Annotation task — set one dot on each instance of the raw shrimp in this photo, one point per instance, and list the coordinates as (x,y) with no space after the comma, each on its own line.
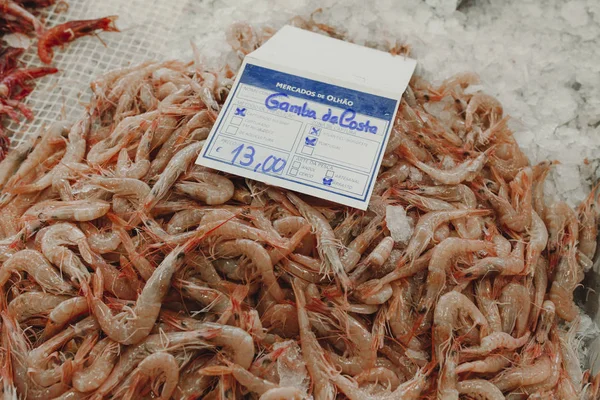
(588,226)
(399,311)
(360,338)
(160,365)
(523,375)
(312,352)
(565,280)
(538,237)
(251,382)
(481,101)
(37,359)
(140,167)
(479,389)
(514,264)
(379,375)
(354,251)
(558,218)
(448,378)
(185,219)
(207,186)
(375,260)
(211,298)
(143,266)
(343,231)
(441,260)
(132,189)
(540,283)
(15,158)
(569,357)
(54,247)
(446,316)
(36,265)
(326,240)
(195,129)
(133,355)
(134,324)
(514,304)
(487,303)
(260,259)
(192,383)
(177,165)
(33,304)
(19,349)
(75,151)
(94,371)
(516,220)
(540,172)
(75,210)
(63,313)
(495,341)
(426,227)
(490,364)
(236,340)
(393,176)
(47,145)
(69,31)
(466,171)
(121,136)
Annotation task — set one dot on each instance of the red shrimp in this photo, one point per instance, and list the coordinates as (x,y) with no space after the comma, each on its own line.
(69,31)
(17,78)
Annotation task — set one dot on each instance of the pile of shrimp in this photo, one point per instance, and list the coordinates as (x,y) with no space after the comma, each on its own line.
(129,272)
(15,81)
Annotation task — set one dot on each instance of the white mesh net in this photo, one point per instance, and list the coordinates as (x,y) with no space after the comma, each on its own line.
(145,26)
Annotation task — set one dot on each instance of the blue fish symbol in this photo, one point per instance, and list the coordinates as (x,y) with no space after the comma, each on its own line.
(314,131)
(310,141)
(240,111)
(327,181)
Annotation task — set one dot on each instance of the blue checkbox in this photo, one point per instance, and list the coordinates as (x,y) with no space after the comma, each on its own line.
(308,141)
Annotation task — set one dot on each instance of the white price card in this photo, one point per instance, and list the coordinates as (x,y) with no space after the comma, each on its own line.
(311,114)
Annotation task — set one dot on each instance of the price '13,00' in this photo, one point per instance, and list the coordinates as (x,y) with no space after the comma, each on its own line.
(246,156)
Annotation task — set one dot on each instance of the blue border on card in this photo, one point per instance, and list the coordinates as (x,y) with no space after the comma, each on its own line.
(363,103)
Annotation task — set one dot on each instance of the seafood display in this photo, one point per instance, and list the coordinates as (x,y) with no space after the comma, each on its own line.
(130,272)
(15,81)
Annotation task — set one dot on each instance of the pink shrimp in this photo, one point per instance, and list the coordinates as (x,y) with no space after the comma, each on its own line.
(514,264)
(325,238)
(446,316)
(441,260)
(467,171)
(489,365)
(425,229)
(495,341)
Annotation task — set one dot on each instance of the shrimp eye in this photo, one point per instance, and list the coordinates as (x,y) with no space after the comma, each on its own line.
(426,97)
